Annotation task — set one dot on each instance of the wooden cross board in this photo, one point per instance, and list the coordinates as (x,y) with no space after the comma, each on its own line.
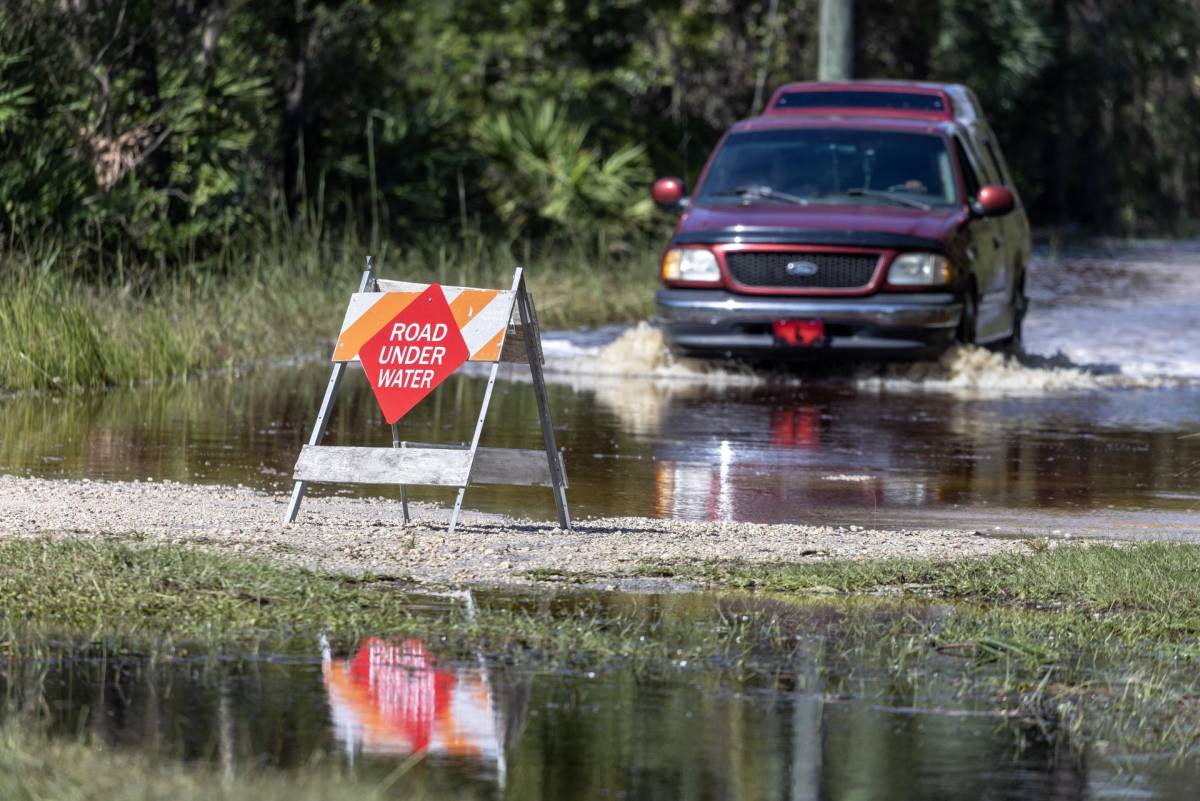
(409,337)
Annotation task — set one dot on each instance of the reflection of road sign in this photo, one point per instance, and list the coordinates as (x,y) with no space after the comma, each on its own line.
(393,698)
(412,353)
(409,338)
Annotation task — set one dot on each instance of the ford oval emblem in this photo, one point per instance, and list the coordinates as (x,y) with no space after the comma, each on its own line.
(798,268)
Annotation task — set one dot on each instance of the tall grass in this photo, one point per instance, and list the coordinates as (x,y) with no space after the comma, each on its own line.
(62,328)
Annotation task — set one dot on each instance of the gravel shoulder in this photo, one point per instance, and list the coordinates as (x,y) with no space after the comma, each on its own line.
(369,536)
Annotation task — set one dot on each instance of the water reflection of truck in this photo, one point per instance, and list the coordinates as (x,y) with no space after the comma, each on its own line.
(767,454)
(769,462)
(856,217)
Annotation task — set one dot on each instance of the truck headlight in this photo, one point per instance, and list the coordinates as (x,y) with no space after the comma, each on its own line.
(690,264)
(920,269)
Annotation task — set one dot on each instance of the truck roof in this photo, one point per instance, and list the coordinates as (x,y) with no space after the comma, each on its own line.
(888,99)
(835,119)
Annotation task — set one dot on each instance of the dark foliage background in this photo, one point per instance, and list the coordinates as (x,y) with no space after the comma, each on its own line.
(161,129)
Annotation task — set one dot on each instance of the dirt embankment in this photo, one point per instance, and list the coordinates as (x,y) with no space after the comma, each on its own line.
(365,535)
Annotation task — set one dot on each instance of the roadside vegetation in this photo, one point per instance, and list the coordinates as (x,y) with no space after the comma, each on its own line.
(1153,579)
(280,297)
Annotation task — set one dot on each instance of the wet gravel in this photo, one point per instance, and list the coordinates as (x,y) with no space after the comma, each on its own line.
(369,535)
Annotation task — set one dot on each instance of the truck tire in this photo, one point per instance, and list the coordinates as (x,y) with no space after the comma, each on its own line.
(1014,343)
(967,323)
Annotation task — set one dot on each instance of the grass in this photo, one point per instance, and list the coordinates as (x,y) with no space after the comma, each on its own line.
(61,330)
(166,599)
(147,594)
(34,767)
(1051,603)
(1150,577)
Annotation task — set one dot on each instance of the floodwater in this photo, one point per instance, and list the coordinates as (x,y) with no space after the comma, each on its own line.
(1086,435)
(471,725)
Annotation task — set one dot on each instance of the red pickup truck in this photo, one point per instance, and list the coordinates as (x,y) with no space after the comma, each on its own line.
(869,218)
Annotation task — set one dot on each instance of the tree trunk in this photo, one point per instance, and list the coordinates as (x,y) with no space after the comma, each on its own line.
(295,115)
(836,58)
(214,26)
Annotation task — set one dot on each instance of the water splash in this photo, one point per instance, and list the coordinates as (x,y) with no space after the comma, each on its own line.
(639,355)
(641,352)
(971,370)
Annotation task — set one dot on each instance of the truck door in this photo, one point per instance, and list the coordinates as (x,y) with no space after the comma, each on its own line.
(1014,227)
(986,249)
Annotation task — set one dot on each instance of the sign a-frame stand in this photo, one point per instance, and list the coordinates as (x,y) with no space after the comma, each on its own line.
(444,465)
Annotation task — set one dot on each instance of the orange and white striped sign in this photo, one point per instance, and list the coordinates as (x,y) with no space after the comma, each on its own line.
(482,316)
(392,697)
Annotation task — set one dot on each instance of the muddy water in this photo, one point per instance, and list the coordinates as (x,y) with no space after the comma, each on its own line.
(1084,435)
(802,726)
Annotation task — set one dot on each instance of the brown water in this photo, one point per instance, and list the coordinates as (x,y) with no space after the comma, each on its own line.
(1099,461)
(800,725)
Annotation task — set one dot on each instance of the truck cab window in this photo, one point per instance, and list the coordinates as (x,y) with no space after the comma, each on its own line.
(999,165)
(970,177)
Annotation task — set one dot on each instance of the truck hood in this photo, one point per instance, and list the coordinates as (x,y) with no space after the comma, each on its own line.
(841,224)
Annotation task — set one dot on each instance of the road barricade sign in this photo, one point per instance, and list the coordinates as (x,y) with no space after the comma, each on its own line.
(409,338)
(412,353)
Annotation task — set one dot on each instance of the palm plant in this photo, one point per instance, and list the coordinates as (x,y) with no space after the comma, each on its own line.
(542,178)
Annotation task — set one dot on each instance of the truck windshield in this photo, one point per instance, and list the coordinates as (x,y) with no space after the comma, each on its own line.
(835,165)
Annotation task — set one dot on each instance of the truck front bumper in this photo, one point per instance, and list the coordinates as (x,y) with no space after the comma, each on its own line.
(713,322)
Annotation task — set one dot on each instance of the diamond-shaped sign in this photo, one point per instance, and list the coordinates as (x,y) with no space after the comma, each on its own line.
(417,350)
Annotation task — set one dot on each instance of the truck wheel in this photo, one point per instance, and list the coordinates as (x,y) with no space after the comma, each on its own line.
(1014,343)
(965,335)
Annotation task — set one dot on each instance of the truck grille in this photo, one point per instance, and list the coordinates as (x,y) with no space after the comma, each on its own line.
(833,270)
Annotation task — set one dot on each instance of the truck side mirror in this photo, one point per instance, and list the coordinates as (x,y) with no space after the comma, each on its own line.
(994,201)
(668,194)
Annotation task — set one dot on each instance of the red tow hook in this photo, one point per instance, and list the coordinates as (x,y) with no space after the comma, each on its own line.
(802,333)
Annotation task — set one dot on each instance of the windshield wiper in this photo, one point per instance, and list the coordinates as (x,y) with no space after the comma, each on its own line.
(882,195)
(762,193)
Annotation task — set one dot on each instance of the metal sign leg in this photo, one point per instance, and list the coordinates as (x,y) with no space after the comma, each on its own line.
(403,493)
(487,400)
(315,439)
(534,352)
(335,379)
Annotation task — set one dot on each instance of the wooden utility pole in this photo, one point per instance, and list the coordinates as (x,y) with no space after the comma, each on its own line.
(836,57)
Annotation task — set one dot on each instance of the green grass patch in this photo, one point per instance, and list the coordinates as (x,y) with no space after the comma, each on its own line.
(1076,608)
(1156,583)
(150,593)
(117,596)
(61,330)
